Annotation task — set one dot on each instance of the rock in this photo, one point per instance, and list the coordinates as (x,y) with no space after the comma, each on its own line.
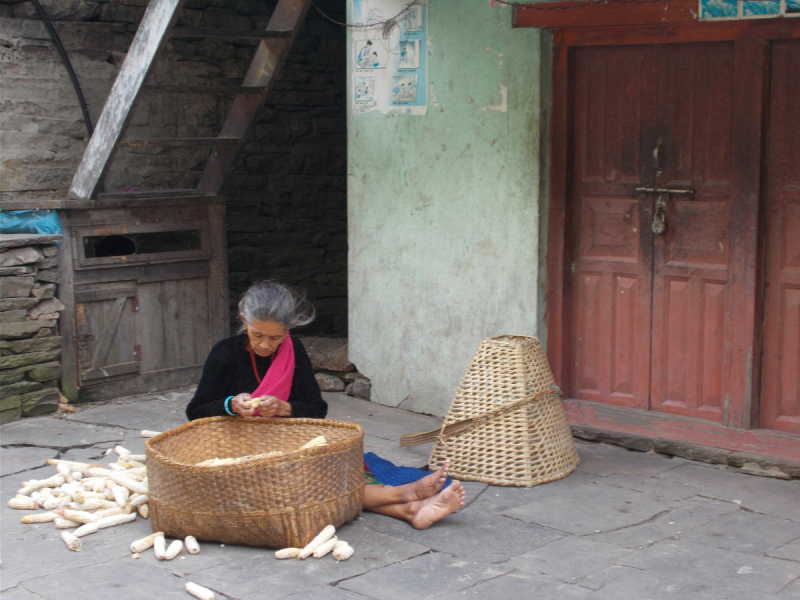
(16,287)
(47,317)
(41,291)
(49,251)
(40,402)
(52,275)
(20,256)
(28,358)
(22,387)
(361,388)
(715,456)
(45,307)
(11,415)
(45,372)
(23,329)
(10,402)
(48,263)
(329,383)
(32,344)
(15,240)
(45,331)
(346,376)
(10,316)
(17,303)
(16,270)
(10,376)
(328,354)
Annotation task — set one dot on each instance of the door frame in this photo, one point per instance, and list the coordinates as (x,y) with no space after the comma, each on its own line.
(751,50)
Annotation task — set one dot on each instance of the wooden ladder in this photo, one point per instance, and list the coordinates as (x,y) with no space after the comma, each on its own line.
(156,28)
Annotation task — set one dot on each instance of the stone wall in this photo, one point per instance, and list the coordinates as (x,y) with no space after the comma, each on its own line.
(29,312)
(287,194)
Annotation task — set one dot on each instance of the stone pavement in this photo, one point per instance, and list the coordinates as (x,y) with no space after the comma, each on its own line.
(625,525)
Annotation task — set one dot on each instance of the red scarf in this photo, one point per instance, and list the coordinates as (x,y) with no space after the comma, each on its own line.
(278,380)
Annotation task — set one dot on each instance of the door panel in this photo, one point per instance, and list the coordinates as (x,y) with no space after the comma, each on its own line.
(780,389)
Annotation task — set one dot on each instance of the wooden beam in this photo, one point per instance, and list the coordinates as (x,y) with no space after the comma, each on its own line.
(227,34)
(223,90)
(599,13)
(118,108)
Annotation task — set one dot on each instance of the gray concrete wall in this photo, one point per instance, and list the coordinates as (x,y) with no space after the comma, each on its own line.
(443,211)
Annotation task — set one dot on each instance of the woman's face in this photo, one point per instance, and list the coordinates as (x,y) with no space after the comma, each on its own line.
(265,336)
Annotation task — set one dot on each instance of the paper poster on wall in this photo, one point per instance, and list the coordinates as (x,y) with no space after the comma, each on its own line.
(390,56)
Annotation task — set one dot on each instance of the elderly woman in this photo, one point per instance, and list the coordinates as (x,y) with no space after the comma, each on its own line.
(264,362)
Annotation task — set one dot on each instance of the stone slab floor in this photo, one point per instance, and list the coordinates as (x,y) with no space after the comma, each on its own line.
(624,525)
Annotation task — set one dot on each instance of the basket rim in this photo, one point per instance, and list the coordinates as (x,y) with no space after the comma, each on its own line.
(279,459)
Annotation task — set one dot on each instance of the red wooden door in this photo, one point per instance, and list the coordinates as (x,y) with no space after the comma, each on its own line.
(650,318)
(780,390)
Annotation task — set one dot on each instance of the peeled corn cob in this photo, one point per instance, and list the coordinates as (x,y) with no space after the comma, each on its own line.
(115,520)
(72,542)
(173,550)
(62,523)
(65,471)
(77,475)
(110,512)
(339,543)
(54,503)
(322,537)
(144,511)
(288,553)
(53,481)
(86,529)
(146,433)
(99,471)
(192,547)
(218,462)
(324,548)
(198,591)
(343,552)
(144,543)
(121,450)
(45,517)
(317,441)
(116,467)
(121,494)
(138,499)
(38,497)
(79,516)
(23,503)
(160,547)
(134,486)
(136,458)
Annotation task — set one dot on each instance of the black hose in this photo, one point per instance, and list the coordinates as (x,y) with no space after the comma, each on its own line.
(57,41)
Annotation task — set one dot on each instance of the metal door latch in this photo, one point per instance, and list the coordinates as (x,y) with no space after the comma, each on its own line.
(659,225)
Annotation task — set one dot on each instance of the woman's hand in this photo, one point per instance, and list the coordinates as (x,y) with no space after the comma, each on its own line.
(271,406)
(239,405)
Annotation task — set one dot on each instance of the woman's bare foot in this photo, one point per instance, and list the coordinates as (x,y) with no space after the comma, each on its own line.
(428,486)
(439,506)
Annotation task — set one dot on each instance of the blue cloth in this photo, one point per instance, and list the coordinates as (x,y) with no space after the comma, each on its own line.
(390,474)
(30,221)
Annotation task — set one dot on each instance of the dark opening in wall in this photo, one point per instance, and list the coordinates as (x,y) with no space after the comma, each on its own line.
(99,246)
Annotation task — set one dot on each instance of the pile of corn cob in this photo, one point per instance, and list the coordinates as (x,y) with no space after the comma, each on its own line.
(325,542)
(88,497)
(218,462)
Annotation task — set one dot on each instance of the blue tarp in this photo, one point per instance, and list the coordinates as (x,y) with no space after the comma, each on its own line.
(390,474)
(30,221)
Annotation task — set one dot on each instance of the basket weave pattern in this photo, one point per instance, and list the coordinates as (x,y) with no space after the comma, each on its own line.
(276,502)
(524,446)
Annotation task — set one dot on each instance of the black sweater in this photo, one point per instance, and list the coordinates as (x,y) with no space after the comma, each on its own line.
(229,371)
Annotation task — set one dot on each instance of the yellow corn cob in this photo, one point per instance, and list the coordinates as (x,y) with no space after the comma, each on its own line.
(192,547)
(121,494)
(317,441)
(23,503)
(71,541)
(45,517)
(160,547)
(322,537)
(134,486)
(324,548)
(173,550)
(144,543)
(288,553)
(62,523)
(79,516)
(198,591)
(144,511)
(146,433)
(122,450)
(343,552)
(110,512)
(115,520)
(86,529)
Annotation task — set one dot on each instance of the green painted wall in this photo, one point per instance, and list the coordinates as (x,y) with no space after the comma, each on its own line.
(443,210)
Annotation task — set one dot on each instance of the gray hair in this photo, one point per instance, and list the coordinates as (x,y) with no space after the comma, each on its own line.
(272,301)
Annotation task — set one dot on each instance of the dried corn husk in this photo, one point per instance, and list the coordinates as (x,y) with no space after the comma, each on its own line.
(160,547)
(23,503)
(62,523)
(192,547)
(45,517)
(343,552)
(198,591)
(146,542)
(324,548)
(322,537)
(86,529)
(173,550)
(317,441)
(115,520)
(288,553)
(72,542)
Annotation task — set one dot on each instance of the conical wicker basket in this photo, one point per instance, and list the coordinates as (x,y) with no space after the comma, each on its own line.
(519,433)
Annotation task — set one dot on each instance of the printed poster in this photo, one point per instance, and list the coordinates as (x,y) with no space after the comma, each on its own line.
(390,61)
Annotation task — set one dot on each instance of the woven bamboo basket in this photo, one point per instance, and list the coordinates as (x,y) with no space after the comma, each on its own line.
(276,502)
(516,432)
